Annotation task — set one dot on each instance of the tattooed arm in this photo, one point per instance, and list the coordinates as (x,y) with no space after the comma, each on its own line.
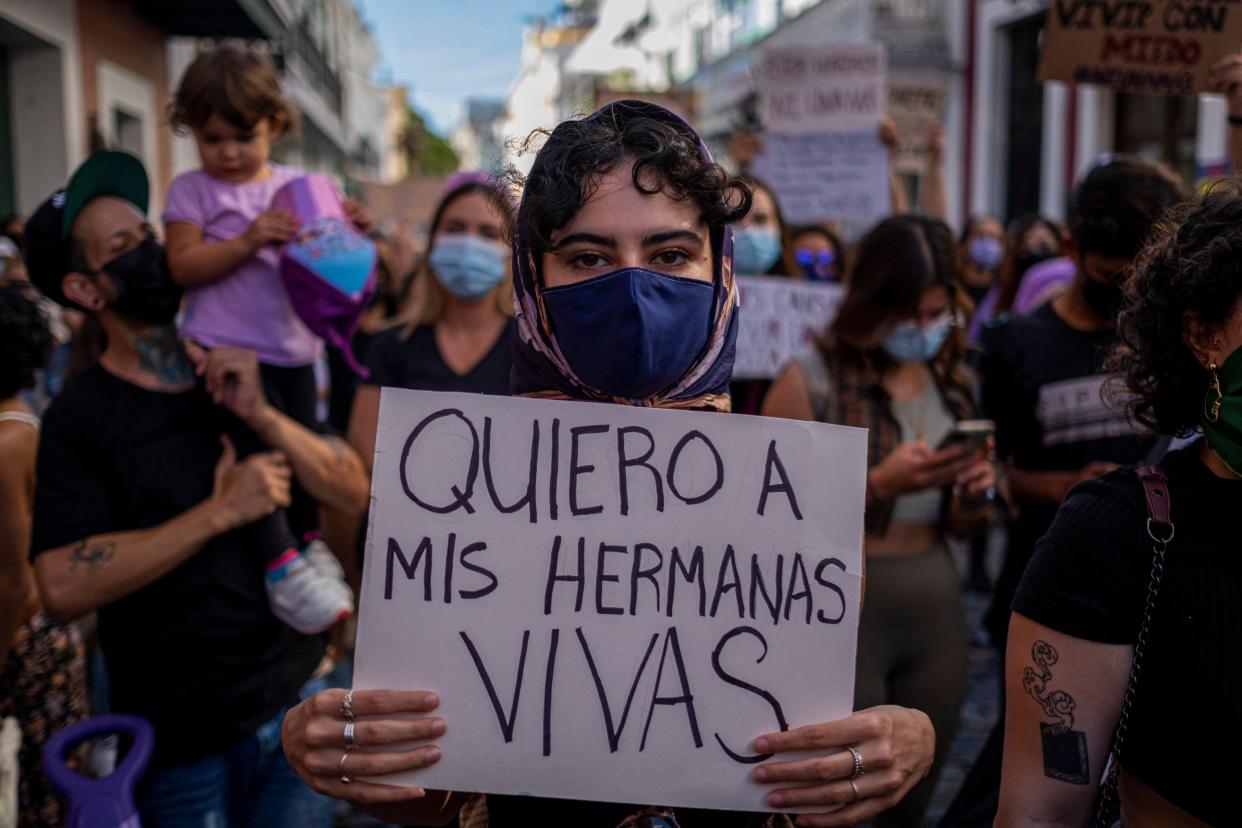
(1062,699)
(95,571)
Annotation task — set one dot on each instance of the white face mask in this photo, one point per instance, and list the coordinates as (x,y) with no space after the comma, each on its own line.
(911,342)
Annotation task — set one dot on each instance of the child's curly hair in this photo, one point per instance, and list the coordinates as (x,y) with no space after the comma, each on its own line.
(238,84)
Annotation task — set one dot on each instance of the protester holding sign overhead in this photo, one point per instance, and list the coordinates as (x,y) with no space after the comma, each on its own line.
(622,232)
(892,362)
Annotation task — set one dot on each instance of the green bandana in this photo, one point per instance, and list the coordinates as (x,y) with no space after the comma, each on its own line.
(1224,434)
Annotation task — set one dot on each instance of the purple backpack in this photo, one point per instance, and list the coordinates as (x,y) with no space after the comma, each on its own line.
(328,268)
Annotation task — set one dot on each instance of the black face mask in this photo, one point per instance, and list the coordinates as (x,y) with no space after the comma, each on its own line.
(1028,260)
(1105,298)
(147,292)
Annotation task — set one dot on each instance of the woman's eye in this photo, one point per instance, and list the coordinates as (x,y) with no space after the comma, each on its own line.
(669,258)
(246,138)
(587,260)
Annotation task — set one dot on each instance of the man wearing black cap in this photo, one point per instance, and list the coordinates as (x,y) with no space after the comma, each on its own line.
(144,512)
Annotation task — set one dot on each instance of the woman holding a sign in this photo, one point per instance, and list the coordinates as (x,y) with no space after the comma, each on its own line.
(624,293)
(892,362)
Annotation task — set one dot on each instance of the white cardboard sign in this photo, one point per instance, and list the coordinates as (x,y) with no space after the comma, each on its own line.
(611,602)
(819,90)
(779,321)
(826,176)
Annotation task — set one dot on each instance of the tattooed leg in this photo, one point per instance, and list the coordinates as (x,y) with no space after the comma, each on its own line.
(1065,749)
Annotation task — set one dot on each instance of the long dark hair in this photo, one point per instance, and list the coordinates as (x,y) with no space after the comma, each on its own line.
(892,266)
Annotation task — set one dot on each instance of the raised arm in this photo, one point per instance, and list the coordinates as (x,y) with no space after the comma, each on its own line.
(327,467)
(934,200)
(1062,699)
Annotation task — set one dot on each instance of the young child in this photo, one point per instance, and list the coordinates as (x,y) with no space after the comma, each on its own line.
(223,247)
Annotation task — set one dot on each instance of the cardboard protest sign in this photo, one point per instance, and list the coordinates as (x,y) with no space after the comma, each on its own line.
(612,602)
(915,108)
(779,321)
(826,176)
(1163,47)
(817,90)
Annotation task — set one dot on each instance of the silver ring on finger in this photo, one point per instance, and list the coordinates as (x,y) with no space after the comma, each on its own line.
(854,788)
(347,706)
(858,763)
(344,776)
(351,743)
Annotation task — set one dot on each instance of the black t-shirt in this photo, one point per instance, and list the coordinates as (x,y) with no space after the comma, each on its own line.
(1089,579)
(1041,382)
(415,362)
(197,652)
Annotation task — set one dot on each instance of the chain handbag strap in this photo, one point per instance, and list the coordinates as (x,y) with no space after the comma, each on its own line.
(1160,530)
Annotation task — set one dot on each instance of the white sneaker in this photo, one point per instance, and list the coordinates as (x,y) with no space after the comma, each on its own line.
(308,591)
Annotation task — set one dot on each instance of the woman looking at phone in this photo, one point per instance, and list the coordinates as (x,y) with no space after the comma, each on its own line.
(892,362)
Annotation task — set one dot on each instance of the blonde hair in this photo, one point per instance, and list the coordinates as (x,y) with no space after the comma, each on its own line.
(427,295)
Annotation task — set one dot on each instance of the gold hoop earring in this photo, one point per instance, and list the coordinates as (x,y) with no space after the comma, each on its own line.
(1211,409)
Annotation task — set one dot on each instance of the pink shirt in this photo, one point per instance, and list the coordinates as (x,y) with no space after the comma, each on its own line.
(247,308)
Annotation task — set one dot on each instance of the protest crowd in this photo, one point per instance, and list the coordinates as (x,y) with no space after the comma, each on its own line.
(190,423)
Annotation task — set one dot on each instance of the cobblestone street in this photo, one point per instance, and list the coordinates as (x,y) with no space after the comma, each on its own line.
(979,712)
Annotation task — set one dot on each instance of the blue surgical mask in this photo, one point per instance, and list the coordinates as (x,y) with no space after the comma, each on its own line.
(755,249)
(911,342)
(468,266)
(986,252)
(632,332)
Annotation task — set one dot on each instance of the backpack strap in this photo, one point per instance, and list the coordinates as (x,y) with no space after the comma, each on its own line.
(818,383)
(1156,493)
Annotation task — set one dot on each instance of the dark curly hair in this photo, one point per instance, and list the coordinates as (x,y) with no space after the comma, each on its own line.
(577,153)
(1191,266)
(1112,210)
(25,339)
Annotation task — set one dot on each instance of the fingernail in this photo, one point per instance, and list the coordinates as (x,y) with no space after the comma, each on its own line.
(761,744)
(433,754)
(761,774)
(437,729)
(776,800)
(432,700)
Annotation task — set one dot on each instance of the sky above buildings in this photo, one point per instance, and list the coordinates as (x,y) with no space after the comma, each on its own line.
(448,50)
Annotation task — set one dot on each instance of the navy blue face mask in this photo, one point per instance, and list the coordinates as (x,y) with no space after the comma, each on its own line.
(632,332)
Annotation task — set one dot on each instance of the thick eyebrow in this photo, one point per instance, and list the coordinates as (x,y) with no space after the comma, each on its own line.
(586,238)
(672,235)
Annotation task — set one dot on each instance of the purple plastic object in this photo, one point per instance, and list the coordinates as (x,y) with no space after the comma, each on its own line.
(328,268)
(107,802)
